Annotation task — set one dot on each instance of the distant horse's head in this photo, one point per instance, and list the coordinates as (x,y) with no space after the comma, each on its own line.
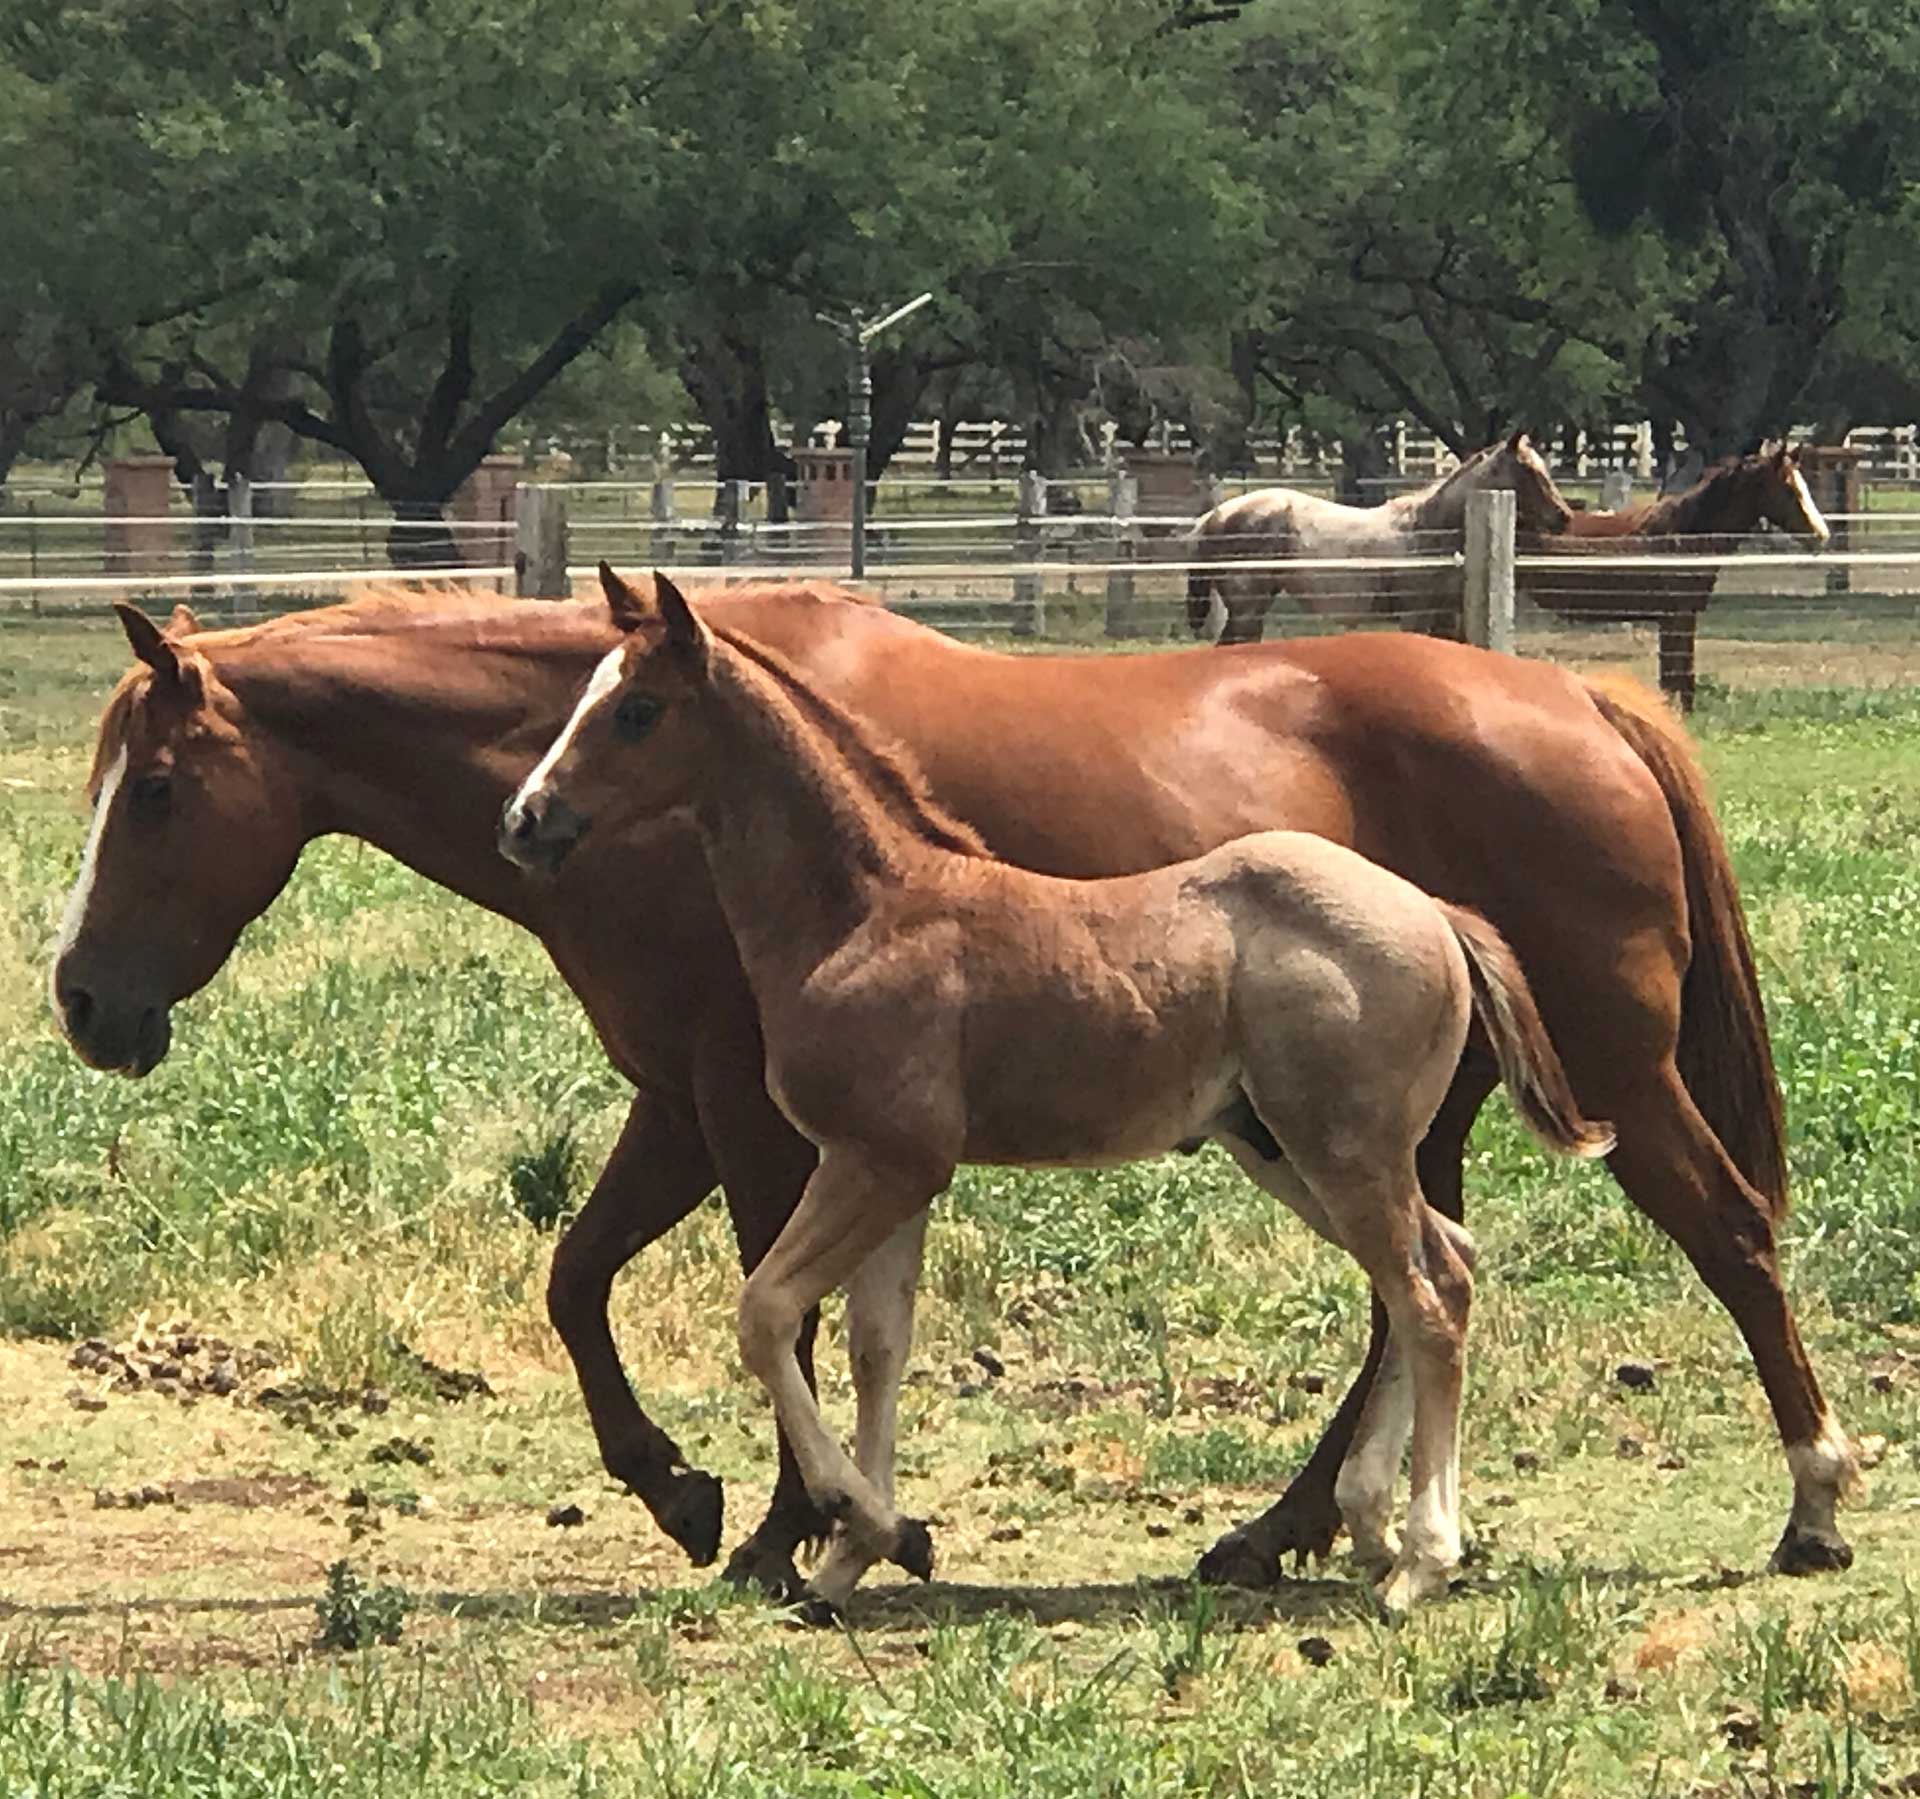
(1767,485)
(1539,506)
(193,834)
(644,688)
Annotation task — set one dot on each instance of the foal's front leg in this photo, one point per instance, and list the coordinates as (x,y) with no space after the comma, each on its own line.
(880,1298)
(854,1202)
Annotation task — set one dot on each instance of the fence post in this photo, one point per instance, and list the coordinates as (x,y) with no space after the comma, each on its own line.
(731,507)
(1489,571)
(1123,503)
(1029,608)
(660,510)
(540,543)
(240,539)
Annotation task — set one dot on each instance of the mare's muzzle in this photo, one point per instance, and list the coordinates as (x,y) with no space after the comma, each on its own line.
(116,1035)
(537,830)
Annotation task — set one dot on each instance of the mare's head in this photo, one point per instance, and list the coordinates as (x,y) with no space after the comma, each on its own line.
(645,689)
(1517,467)
(1764,487)
(193,834)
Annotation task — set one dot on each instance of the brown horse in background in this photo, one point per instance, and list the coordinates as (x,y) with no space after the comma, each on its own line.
(1711,518)
(1570,815)
(1272,524)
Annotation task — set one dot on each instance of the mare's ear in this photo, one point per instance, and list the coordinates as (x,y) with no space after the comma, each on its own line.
(1518,441)
(687,638)
(1786,456)
(630,610)
(183,623)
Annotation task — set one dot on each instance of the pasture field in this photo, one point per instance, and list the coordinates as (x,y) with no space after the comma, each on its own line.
(236,1301)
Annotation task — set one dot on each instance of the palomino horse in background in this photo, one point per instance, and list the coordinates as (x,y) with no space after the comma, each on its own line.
(1272,523)
(1570,815)
(924,1005)
(1711,518)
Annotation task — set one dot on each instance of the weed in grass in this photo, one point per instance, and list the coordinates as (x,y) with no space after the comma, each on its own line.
(1188,1643)
(1220,1456)
(542,1177)
(353,1615)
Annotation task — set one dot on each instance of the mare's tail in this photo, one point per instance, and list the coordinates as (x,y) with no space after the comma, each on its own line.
(1529,1063)
(1725,1056)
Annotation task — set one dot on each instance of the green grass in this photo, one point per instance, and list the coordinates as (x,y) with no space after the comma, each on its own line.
(370,1121)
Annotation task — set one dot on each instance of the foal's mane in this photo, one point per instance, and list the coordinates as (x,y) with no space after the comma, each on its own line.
(872,771)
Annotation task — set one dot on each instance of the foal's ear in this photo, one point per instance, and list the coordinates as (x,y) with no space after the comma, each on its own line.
(148,641)
(183,623)
(1787,456)
(687,637)
(1518,441)
(630,611)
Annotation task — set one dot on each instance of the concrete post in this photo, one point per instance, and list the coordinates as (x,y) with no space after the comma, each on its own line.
(1489,571)
(540,543)
(1029,608)
(1123,503)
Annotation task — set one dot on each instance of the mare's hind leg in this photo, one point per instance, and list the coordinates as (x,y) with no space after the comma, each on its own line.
(1306,1518)
(851,1206)
(1677,1172)
(880,1300)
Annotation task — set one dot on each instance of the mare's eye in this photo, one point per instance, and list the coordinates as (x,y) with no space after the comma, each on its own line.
(153,795)
(636,715)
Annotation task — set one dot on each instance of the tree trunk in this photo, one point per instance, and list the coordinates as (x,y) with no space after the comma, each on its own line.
(726,377)
(1363,469)
(419,537)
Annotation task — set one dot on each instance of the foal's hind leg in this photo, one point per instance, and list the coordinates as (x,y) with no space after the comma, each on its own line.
(851,1206)
(880,1299)
(1306,1518)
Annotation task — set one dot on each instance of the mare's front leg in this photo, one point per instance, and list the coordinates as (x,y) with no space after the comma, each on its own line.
(658,1172)
(853,1204)
(1305,1519)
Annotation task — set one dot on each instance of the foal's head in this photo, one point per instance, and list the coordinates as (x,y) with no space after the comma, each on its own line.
(645,688)
(194,832)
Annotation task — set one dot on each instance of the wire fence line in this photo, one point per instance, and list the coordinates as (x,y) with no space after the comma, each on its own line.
(1765,612)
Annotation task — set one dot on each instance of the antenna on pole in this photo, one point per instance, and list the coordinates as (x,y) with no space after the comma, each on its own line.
(856,333)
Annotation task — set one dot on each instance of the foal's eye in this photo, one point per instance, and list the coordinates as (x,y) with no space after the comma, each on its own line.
(153,794)
(636,715)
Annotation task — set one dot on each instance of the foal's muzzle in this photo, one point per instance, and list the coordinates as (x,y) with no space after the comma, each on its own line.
(537,831)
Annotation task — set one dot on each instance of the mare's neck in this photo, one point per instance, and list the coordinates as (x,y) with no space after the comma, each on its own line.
(802,850)
(413,741)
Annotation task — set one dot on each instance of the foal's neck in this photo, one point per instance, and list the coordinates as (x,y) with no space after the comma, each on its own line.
(809,821)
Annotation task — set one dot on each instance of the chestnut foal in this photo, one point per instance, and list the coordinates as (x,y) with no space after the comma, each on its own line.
(924,1005)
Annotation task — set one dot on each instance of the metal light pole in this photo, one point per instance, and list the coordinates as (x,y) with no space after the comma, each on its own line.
(857,334)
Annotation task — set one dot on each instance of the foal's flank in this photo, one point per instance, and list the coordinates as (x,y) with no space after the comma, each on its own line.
(924,1005)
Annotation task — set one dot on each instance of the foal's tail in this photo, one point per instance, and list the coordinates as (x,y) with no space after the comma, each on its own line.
(1529,1063)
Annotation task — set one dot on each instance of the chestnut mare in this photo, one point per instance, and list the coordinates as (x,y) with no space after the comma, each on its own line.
(1275,522)
(1712,517)
(924,1005)
(1571,816)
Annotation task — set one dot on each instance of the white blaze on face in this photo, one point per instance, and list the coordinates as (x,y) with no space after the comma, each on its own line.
(77,901)
(1816,523)
(605,679)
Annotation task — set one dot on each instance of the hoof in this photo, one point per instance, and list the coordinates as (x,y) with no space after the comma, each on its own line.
(1238,1561)
(766,1570)
(816,1612)
(913,1549)
(691,1514)
(1805,1552)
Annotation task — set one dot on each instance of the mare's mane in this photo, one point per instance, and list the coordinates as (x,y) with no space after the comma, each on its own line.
(1679,514)
(873,769)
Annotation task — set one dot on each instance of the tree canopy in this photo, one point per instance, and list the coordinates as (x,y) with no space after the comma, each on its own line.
(390,227)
